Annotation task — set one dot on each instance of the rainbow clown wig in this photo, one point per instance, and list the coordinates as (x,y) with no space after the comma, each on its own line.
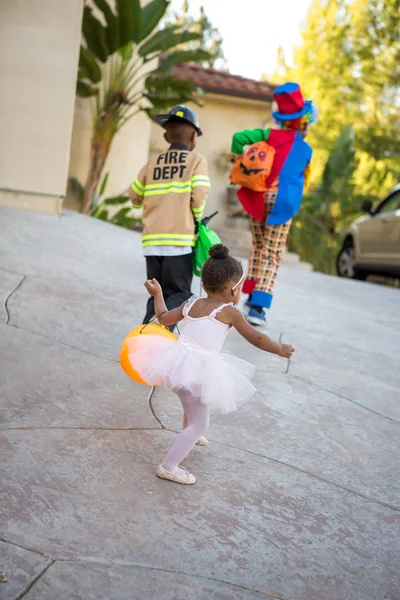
(293,111)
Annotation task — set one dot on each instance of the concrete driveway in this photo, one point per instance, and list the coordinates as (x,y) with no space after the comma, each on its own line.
(298,493)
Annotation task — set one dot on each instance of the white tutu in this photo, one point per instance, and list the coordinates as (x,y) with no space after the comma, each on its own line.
(220,380)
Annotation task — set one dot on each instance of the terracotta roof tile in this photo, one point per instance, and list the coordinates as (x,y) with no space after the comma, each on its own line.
(220,82)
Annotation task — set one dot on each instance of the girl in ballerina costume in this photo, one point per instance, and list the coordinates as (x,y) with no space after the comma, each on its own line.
(193,367)
(273,205)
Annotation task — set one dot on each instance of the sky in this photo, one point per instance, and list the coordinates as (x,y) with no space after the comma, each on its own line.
(252,30)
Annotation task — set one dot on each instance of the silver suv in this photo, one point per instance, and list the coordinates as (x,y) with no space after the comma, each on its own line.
(372,243)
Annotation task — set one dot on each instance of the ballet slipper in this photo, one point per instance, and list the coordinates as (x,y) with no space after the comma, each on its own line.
(202,441)
(187,479)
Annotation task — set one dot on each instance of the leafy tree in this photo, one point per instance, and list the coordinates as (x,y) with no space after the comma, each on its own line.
(376,45)
(116,70)
(349,64)
(211,39)
(332,200)
(314,233)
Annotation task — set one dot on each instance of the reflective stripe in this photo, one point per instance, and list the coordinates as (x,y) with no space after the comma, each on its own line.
(151,186)
(178,187)
(201,183)
(180,236)
(170,187)
(137,206)
(200,180)
(168,239)
(171,242)
(196,177)
(138,187)
(198,211)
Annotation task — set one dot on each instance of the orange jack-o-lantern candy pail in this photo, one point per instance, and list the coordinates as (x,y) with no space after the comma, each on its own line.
(253,168)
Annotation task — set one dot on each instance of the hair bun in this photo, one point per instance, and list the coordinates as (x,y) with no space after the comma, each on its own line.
(219,251)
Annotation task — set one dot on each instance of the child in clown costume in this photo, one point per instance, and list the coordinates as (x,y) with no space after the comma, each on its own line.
(272,211)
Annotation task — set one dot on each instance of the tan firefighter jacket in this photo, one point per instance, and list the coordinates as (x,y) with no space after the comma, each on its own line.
(172,188)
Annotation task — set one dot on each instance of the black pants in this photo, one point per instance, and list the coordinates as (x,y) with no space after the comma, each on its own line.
(174,274)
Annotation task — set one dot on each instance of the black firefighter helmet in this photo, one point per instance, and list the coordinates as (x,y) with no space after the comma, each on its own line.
(180,113)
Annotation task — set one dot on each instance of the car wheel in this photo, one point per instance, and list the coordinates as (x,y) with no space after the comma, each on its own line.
(346,262)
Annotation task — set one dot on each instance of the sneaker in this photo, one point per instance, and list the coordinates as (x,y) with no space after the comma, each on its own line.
(256,316)
(247,306)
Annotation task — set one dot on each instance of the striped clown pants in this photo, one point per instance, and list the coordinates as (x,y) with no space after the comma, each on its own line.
(268,243)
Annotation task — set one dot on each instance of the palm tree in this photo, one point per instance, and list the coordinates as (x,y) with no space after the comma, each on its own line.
(116,71)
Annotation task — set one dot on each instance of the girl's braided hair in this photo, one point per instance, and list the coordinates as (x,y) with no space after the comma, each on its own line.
(220,269)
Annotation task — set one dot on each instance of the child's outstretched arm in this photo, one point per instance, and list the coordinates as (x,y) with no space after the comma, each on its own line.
(257,339)
(164,316)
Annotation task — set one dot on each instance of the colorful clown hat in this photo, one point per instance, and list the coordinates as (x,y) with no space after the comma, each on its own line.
(291,104)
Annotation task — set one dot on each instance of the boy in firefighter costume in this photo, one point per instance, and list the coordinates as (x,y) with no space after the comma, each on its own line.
(172,188)
(273,173)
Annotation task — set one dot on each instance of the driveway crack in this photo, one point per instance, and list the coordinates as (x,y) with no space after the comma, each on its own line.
(280,462)
(21,281)
(309,474)
(34,580)
(334,393)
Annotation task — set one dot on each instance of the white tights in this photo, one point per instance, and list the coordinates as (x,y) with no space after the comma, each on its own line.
(195,422)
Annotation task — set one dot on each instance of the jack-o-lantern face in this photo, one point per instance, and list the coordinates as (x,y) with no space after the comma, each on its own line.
(253,169)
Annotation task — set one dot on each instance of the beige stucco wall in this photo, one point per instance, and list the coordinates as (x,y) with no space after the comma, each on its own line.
(220,117)
(39,49)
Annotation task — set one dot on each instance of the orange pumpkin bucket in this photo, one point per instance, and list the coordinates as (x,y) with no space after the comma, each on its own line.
(252,170)
(151,329)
